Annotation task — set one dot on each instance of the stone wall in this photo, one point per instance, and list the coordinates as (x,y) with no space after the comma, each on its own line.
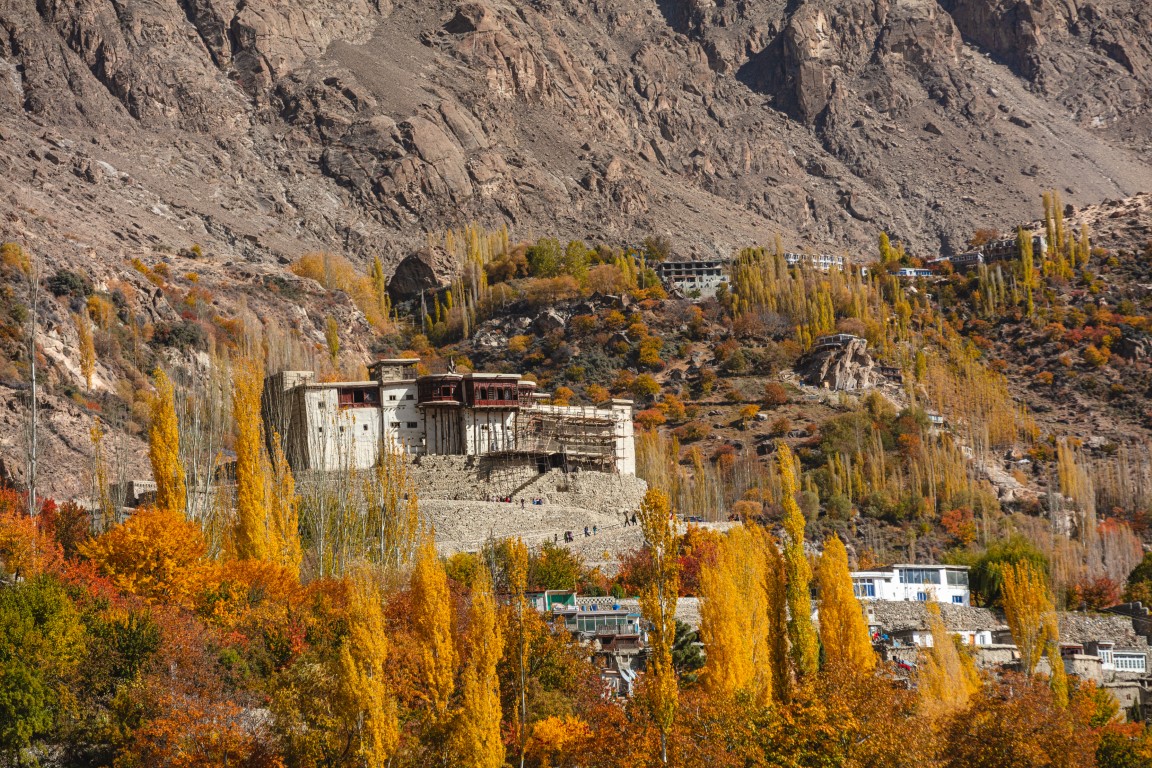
(1087,627)
(472,478)
(895,616)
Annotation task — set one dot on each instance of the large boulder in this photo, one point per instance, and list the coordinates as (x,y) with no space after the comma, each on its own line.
(428,269)
(548,321)
(1135,345)
(846,366)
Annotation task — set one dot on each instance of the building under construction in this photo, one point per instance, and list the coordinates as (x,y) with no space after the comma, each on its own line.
(338,425)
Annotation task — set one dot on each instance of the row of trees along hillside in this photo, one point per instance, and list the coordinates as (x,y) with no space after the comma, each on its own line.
(894,466)
(493,273)
(943,371)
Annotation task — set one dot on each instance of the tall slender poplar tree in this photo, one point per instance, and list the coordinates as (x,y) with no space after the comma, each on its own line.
(432,619)
(734,617)
(1027,606)
(946,680)
(801,633)
(164,448)
(776,599)
(87,347)
(518,586)
(477,735)
(365,694)
(658,606)
(283,510)
(843,631)
(253,530)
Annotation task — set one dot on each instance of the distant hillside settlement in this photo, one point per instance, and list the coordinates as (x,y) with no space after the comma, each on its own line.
(703,276)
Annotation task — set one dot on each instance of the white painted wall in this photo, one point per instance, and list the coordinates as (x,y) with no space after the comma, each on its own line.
(339,438)
(908,583)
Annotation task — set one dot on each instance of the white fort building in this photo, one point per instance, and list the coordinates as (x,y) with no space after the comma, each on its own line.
(330,426)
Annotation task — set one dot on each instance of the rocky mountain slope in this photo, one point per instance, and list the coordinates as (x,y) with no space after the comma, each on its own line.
(259,131)
(267,128)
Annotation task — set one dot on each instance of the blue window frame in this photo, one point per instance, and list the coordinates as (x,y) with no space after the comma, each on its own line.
(922,597)
(958,599)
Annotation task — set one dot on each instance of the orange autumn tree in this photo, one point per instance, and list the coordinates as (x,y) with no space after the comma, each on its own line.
(155,554)
(1015,723)
(26,550)
(164,448)
(843,631)
(556,739)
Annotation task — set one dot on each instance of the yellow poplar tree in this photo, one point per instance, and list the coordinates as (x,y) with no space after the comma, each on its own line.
(734,622)
(885,248)
(362,674)
(164,448)
(946,679)
(1059,676)
(432,620)
(477,736)
(253,534)
(658,607)
(332,339)
(87,347)
(393,514)
(843,631)
(801,634)
(1027,260)
(776,598)
(284,511)
(1027,606)
(518,586)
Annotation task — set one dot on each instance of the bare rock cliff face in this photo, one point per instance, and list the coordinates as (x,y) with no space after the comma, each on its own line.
(361,125)
(845,368)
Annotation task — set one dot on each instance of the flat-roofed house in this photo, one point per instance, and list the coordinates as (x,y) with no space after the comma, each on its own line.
(920,583)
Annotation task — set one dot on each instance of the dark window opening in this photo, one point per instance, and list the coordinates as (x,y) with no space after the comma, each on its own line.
(358,397)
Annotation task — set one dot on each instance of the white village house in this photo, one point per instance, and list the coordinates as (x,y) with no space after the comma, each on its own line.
(909,582)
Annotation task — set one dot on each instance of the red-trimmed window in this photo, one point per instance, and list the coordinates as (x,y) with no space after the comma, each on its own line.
(358,397)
